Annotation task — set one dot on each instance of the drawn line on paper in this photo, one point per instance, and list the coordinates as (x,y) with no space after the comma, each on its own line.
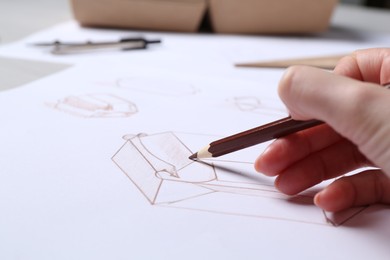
(250,216)
(353,214)
(159,167)
(251,104)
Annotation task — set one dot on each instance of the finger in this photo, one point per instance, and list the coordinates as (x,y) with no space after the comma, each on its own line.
(371,65)
(313,93)
(357,110)
(290,149)
(328,163)
(362,189)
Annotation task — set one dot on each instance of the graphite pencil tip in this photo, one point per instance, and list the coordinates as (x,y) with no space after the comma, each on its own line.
(193,157)
(201,154)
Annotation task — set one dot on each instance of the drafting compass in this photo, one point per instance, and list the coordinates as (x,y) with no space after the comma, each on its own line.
(123,44)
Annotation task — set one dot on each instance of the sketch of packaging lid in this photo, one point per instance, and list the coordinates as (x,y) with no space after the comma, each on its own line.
(158,86)
(157,162)
(170,157)
(96,105)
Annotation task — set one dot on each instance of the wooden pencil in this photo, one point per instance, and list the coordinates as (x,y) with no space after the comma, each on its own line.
(257,135)
(324,62)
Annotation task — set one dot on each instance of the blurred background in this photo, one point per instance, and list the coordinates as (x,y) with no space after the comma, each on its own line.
(372,3)
(19,18)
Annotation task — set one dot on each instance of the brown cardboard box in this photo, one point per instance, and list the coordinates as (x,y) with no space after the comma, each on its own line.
(226,16)
(166,15)
(270,16)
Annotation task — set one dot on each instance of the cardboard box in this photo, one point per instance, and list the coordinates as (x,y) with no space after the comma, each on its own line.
(270,16)
(165,15)
(225,16)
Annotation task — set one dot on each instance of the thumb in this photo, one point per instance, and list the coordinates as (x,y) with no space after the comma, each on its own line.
(357,110)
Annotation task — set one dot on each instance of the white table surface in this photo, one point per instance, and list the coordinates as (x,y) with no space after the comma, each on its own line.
(20,18)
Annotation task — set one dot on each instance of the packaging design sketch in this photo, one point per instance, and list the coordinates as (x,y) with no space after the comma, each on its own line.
(159,167)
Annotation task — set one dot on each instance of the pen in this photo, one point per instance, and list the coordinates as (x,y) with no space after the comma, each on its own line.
(88,46)
(257,135)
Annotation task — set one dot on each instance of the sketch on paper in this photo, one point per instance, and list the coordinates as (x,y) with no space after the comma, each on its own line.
(158,86)
(255,105)
(159,167)
(96,105)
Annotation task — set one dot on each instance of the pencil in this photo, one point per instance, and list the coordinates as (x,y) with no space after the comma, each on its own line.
(324,62)
(257,135)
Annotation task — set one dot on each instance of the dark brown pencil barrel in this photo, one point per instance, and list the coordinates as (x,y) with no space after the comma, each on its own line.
(259,134)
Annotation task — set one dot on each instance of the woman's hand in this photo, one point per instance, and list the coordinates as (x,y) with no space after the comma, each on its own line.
(356,111)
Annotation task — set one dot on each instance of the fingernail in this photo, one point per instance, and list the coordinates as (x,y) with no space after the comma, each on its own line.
(258,162)
(319,198)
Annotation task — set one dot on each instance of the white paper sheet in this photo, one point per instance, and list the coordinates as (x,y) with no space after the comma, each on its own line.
(94,166)
(93,159)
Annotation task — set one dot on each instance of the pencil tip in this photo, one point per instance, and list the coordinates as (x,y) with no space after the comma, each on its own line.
(193,157)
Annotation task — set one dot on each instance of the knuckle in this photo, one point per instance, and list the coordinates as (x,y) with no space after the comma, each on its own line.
(290,79)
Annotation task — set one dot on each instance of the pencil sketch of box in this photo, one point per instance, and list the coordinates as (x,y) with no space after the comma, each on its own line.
(159,167)
(251,104)
(96,105)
